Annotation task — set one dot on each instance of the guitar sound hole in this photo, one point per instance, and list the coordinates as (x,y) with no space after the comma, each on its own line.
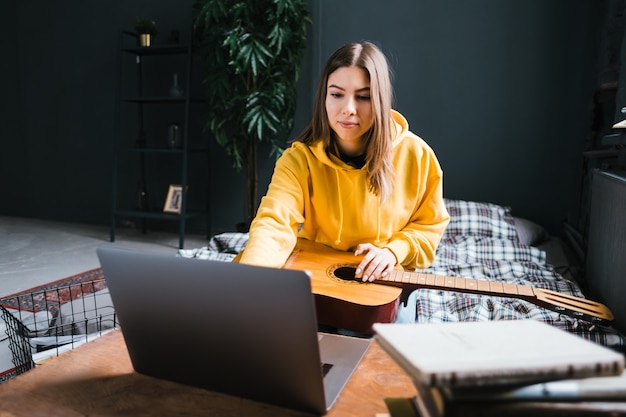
(345,273)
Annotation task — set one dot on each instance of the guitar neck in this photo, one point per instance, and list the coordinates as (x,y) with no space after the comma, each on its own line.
(561,303)
(468,285)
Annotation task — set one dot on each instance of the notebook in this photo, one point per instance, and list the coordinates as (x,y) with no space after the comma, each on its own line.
(479,354)
(238,329)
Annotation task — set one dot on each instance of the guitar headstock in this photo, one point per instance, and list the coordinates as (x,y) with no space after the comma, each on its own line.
(581,308)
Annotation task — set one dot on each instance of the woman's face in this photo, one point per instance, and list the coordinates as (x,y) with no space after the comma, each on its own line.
(348,107)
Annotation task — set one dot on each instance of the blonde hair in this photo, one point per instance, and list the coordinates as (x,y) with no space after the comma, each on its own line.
(378,140)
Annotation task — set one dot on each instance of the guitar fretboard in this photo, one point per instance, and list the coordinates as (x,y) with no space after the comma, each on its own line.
(476,286)
(562,303)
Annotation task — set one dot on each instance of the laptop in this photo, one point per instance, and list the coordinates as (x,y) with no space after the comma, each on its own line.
(238,329)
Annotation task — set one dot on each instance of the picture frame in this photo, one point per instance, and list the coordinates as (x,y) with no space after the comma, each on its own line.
(174,199)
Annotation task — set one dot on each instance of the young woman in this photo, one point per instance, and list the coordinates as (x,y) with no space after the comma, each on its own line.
(356,179)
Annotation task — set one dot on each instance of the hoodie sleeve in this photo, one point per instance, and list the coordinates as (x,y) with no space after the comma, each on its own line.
(273,233)
(415,245)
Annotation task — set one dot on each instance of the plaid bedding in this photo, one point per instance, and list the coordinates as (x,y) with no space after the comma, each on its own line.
(222,247)
(480,242)
(504,261)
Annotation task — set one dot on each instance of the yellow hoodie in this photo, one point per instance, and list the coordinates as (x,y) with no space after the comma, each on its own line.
(317,196)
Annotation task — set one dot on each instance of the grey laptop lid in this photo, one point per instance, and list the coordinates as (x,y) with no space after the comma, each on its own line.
(239,329)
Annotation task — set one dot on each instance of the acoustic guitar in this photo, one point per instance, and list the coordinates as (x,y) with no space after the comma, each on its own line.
(346,302)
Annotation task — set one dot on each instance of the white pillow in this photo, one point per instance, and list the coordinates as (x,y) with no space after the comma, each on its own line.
(530,233)
(92,313)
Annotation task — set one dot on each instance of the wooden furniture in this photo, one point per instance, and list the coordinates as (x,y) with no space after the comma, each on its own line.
(605,261)
(97,379)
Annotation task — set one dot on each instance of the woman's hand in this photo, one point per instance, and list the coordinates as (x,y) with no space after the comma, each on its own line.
(377,262)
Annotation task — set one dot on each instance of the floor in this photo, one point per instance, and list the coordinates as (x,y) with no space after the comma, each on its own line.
(34,252)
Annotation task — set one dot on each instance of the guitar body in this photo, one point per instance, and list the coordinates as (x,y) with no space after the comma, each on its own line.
(340,300)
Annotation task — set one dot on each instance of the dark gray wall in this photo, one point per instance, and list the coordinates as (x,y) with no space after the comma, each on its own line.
(502,90)
(9,109)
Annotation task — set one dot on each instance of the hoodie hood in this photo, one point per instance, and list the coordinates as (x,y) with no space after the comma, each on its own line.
(341,168)
(401,128)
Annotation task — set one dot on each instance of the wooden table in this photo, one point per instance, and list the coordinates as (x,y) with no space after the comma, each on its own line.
(97,379)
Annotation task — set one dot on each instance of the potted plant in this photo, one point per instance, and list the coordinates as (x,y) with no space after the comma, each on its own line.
(253,50)
(146,29)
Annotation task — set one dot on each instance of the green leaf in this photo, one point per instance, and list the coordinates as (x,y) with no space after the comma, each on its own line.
(252,49)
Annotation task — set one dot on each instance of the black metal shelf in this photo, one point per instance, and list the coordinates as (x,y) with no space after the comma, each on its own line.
(120,209)
(163,99)
(156,215)
(171,49)
(177,151)
(156,49)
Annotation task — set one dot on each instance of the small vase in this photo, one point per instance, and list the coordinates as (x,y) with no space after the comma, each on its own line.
(141,202)
(174,139)
(175,90)
(145,39)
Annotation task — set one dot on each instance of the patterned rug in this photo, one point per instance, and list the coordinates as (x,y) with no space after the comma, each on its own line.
(49,296)
(31,310)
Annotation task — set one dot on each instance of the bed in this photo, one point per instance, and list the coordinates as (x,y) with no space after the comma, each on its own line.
(483,241)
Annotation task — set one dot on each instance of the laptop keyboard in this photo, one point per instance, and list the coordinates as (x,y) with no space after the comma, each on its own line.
(326,368)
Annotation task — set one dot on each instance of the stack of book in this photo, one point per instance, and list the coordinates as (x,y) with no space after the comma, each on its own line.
(503,368)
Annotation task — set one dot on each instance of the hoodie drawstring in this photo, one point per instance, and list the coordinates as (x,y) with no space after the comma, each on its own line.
(338,240)
(377,241)
(339,233)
